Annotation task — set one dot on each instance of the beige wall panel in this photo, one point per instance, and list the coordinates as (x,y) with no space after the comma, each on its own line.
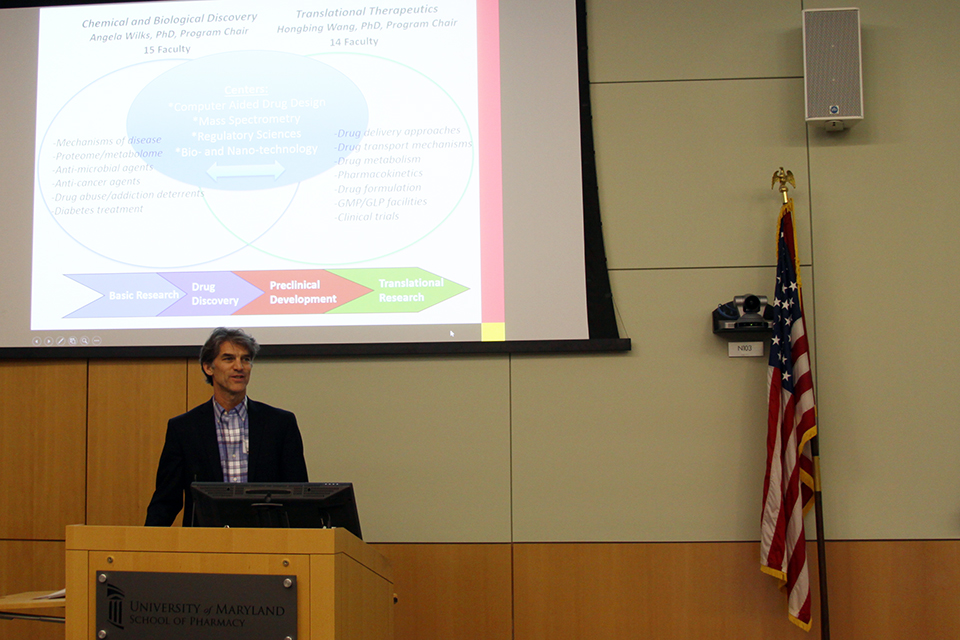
(664,591)
(42,447)
(130,403)
(426,441)
(885,249)
(31,566)
(631,41)
(665,443)
(460,591)
(685,170)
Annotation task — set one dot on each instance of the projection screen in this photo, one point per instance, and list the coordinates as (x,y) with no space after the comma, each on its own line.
(331,176)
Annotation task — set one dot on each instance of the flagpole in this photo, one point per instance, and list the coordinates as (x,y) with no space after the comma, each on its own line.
(785,177)
(821,542)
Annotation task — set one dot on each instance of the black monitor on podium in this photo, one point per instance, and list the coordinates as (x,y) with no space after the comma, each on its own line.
(300,505)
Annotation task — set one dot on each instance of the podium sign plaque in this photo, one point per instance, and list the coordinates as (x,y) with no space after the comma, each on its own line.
(147,605)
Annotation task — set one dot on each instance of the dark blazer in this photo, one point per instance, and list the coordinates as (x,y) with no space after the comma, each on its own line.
(191,454)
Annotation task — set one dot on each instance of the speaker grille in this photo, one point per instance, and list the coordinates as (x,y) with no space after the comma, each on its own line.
(831,65)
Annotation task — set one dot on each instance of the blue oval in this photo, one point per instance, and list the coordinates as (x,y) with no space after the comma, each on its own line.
(247,120)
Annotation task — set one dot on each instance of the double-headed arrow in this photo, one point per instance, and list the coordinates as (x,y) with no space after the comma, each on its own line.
(217,171)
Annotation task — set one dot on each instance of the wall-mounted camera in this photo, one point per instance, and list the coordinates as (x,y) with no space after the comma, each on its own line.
(744,314)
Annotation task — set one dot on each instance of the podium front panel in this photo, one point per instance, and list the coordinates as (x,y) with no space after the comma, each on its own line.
(205,567)
(344,589)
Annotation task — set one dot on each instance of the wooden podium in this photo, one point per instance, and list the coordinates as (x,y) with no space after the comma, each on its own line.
(344,589)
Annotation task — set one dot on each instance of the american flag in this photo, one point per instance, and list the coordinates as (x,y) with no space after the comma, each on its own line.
(791,424)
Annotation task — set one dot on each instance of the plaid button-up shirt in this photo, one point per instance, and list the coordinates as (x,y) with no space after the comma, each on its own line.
(233,437)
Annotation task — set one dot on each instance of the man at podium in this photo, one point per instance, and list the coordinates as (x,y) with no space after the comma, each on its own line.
(229,438)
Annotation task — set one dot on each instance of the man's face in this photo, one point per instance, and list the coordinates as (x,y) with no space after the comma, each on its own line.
(230,369)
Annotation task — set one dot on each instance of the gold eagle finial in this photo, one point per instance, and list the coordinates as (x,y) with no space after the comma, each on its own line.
(784,178)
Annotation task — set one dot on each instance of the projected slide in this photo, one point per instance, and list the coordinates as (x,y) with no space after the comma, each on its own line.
(262,164)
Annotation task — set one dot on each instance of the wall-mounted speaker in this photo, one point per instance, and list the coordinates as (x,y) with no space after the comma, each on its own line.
(832,73)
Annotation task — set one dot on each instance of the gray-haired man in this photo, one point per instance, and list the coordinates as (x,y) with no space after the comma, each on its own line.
(229,438)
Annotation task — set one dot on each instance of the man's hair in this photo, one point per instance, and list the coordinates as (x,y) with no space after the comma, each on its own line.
(211,348)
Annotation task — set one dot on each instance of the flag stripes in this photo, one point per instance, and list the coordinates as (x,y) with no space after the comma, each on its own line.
(791,424)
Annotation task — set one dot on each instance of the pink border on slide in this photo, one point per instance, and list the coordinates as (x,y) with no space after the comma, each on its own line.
(491,176)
